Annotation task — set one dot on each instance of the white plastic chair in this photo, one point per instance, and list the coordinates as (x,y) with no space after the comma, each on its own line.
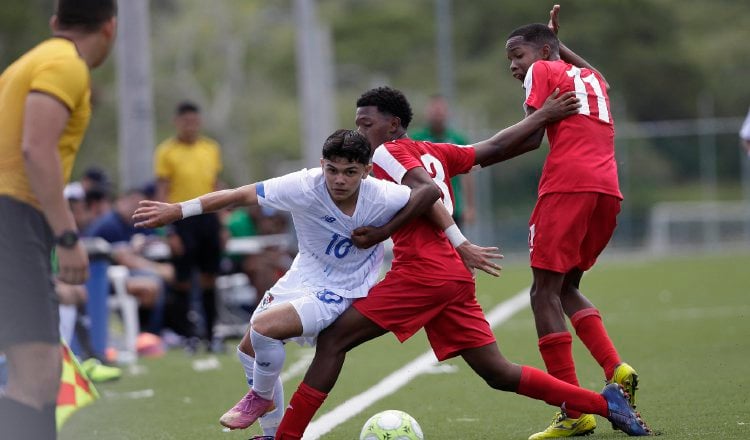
(127,305)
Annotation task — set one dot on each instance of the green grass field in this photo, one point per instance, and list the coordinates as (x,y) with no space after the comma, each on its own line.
(684,323)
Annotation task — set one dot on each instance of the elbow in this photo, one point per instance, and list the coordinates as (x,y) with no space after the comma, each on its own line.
(30,155)
(433,193)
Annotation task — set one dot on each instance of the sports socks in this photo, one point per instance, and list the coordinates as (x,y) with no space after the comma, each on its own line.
(590,329)
(302,407)
(68,316)
(269,360)
(539,385)
(557,352)
(269,422)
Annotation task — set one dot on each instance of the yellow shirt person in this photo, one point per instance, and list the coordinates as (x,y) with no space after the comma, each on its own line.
(55,68)
(44,113)
(190,169)
(186,167)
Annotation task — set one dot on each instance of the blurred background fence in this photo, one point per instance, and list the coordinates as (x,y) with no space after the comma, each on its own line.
(686,185)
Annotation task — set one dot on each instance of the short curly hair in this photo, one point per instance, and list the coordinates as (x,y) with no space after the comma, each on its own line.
(537,34)
(347,144)
(390,101)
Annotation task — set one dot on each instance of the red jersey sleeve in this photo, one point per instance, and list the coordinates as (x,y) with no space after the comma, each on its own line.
(458,158)
(537,85)
(393,161)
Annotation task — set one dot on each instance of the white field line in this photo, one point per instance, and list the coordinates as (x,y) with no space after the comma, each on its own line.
(421,365)
(300,366)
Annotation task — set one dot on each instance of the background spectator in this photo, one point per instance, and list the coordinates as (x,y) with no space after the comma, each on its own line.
(187,166)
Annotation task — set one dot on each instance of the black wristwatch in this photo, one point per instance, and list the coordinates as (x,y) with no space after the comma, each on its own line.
(68,239)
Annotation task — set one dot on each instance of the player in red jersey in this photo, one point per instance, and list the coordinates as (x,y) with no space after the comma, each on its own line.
(428,286)
(575,214)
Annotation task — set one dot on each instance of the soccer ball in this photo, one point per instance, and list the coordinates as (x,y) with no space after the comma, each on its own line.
(391,425)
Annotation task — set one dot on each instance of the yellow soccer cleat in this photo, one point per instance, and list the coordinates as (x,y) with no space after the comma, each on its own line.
(98,372)
(626,376)
(564,426)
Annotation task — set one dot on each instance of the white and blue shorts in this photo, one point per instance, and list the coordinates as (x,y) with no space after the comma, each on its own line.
(316,307)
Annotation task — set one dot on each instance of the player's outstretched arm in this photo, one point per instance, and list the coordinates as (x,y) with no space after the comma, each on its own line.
(527,134)
(566,54)
(424,193)
(152,214)
(473,256)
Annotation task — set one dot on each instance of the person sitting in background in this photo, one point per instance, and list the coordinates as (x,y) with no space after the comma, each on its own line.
(266,267)
(148,279)
(75,324)
(72,297)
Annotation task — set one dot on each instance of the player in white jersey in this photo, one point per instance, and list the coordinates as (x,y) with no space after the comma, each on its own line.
(327,204)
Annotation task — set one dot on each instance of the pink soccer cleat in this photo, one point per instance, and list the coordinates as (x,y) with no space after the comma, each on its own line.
(249,409)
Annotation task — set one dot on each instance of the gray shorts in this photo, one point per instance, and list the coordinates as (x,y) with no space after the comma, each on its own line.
(28,303)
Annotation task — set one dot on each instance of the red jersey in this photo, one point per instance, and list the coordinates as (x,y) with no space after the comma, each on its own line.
(582,146)
(420,249)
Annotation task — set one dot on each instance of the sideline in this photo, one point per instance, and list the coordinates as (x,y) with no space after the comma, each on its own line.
(426,363)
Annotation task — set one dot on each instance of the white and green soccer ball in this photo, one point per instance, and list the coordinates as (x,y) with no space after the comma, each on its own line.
(391,425)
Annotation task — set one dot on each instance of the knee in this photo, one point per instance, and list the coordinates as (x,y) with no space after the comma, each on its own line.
(37,376)
(541,298)
(501,380)
(262,326)
(502,375)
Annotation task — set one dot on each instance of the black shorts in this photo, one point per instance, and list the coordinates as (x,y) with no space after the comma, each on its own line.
(28,302)
(201,239)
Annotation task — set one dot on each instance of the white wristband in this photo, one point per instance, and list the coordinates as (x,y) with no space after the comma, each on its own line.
(454,235)
(191,208)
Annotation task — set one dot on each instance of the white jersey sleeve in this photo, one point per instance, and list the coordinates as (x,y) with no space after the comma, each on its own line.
(383,199)
(287,192)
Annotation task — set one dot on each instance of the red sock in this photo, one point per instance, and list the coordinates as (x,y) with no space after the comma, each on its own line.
(590,328)
(539,385)
(302,407)
(557,352)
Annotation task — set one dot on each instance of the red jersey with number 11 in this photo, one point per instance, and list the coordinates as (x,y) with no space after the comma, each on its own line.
(582,146)
(420,249)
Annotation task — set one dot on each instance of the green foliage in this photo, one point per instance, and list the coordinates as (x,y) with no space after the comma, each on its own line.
(21,26)
(238,59)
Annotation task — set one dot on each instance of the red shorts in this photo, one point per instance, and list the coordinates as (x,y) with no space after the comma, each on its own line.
(448,310)
(570,230)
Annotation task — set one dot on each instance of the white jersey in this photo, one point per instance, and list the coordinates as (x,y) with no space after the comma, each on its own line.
(327,258)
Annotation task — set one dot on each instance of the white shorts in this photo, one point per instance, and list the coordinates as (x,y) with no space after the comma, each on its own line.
(317,310)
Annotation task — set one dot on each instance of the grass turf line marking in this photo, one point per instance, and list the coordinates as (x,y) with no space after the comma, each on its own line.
(421,365)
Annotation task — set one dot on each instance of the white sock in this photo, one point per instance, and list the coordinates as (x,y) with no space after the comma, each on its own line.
(68,314)
(269,422)
(248,364)
(269,360)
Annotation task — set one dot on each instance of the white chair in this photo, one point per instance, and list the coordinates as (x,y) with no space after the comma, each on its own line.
(127,305)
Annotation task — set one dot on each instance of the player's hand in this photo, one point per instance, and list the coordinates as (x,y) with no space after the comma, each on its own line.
(559,107)
(73,264)
(152,214)
(554,21)
(366,237)
(478,257)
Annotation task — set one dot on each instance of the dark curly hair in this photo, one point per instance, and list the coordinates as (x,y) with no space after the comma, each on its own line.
(537,34)
(347,144)
(390,101)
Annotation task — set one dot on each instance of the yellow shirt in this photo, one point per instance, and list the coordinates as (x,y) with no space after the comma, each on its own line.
(55,68)
(191,169)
